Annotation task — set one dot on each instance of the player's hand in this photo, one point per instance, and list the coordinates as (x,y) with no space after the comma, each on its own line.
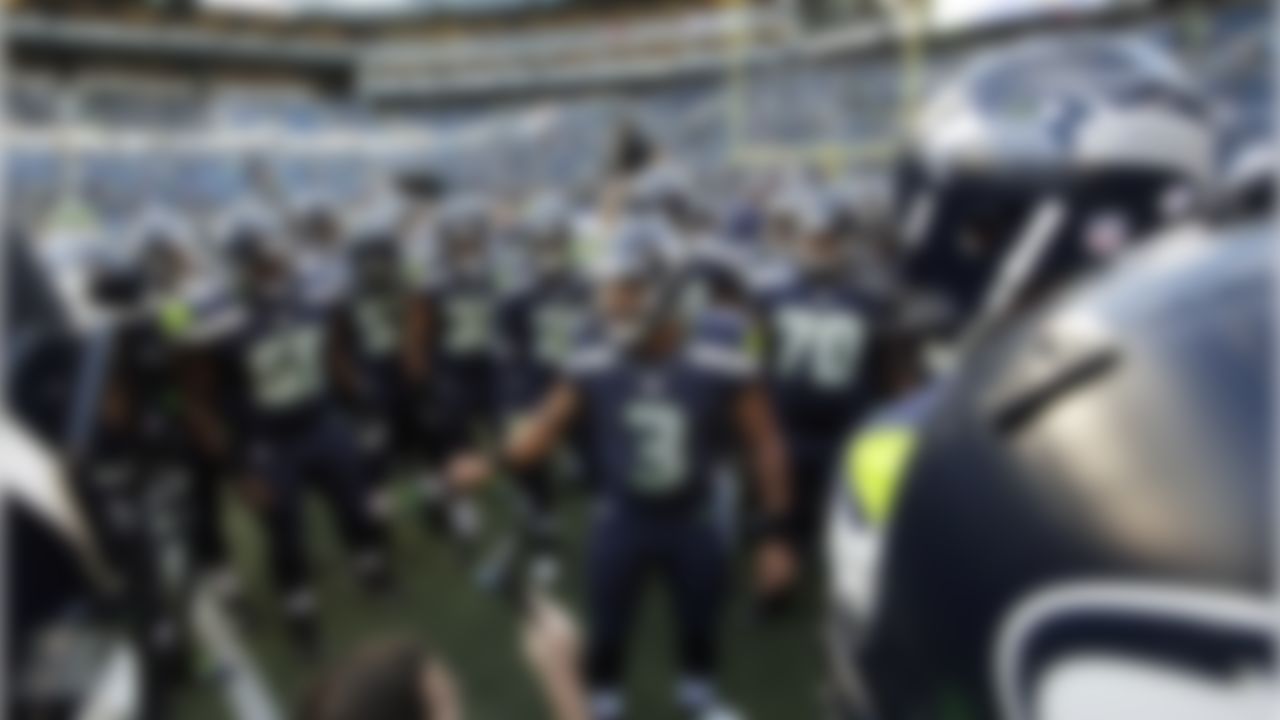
(468,471)
(775,568)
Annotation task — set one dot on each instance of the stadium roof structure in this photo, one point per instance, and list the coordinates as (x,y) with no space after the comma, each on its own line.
(579,47)
(377,8)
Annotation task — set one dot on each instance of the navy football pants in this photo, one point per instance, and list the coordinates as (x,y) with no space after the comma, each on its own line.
(323,456)
(626,549)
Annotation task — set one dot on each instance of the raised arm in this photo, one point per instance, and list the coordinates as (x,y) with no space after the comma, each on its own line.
(530,441)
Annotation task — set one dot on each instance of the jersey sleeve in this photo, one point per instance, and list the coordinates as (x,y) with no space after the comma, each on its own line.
(722,345)
(590,356)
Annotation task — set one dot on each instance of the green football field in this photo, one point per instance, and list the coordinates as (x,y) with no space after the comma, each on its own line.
(771,670)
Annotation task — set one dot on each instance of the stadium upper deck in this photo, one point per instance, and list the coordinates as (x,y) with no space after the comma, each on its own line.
(508,107)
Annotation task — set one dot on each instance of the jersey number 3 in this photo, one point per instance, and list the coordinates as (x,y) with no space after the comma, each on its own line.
(658,431)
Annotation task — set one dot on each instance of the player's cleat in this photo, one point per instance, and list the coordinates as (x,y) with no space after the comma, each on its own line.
(607,705)
(302,621)
(718,712)
(698,700)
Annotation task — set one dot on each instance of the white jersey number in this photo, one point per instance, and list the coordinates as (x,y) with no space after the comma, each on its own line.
(468,326)
(287,367)
(659,431)
(823,347)
(554,327)
(376,325)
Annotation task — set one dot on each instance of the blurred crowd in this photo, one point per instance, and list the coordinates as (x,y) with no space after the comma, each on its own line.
(814,99)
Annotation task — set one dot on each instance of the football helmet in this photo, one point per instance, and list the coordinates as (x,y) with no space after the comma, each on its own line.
(1038,160)
(1082,530)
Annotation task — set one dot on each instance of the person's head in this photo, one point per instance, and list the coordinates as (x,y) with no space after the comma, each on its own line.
(385,680)
(667,192)
(821,237)
(254,253)
(317,224)
(637,281)
(633,151)
(375,255)
(463,233)
(783,214)
(166,249)
(547,231)
(420,186)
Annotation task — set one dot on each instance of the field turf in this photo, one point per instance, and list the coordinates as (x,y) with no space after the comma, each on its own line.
(771,671)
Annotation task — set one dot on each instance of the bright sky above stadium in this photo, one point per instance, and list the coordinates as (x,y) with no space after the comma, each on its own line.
(945,12)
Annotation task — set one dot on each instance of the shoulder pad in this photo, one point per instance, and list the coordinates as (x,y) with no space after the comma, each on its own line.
(590,358)
(721,342)
(721,326)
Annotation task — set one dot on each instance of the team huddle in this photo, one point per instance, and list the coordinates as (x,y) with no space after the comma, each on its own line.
(710,374)
(317,355)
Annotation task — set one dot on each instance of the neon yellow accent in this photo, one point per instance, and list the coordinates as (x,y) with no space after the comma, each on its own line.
(754,341)
(875,464)
(176,318)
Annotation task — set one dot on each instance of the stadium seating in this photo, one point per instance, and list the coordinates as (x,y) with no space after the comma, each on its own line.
(839,98)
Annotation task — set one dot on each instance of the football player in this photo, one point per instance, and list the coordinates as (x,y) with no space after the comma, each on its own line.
(318,237)
(1116,150)
(660,398)
(282,380)
(130,478)
(371,324)
(539,325)
(452,351)
(193,313)
(826,355)
(66,626)
(716,274)
(775,256)
(1083,527)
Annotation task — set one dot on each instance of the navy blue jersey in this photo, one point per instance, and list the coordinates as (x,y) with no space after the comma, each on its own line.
(325,278)
(463,321)
(821,345)
(375,320)
(654,430)
(539,326)
(280,365)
